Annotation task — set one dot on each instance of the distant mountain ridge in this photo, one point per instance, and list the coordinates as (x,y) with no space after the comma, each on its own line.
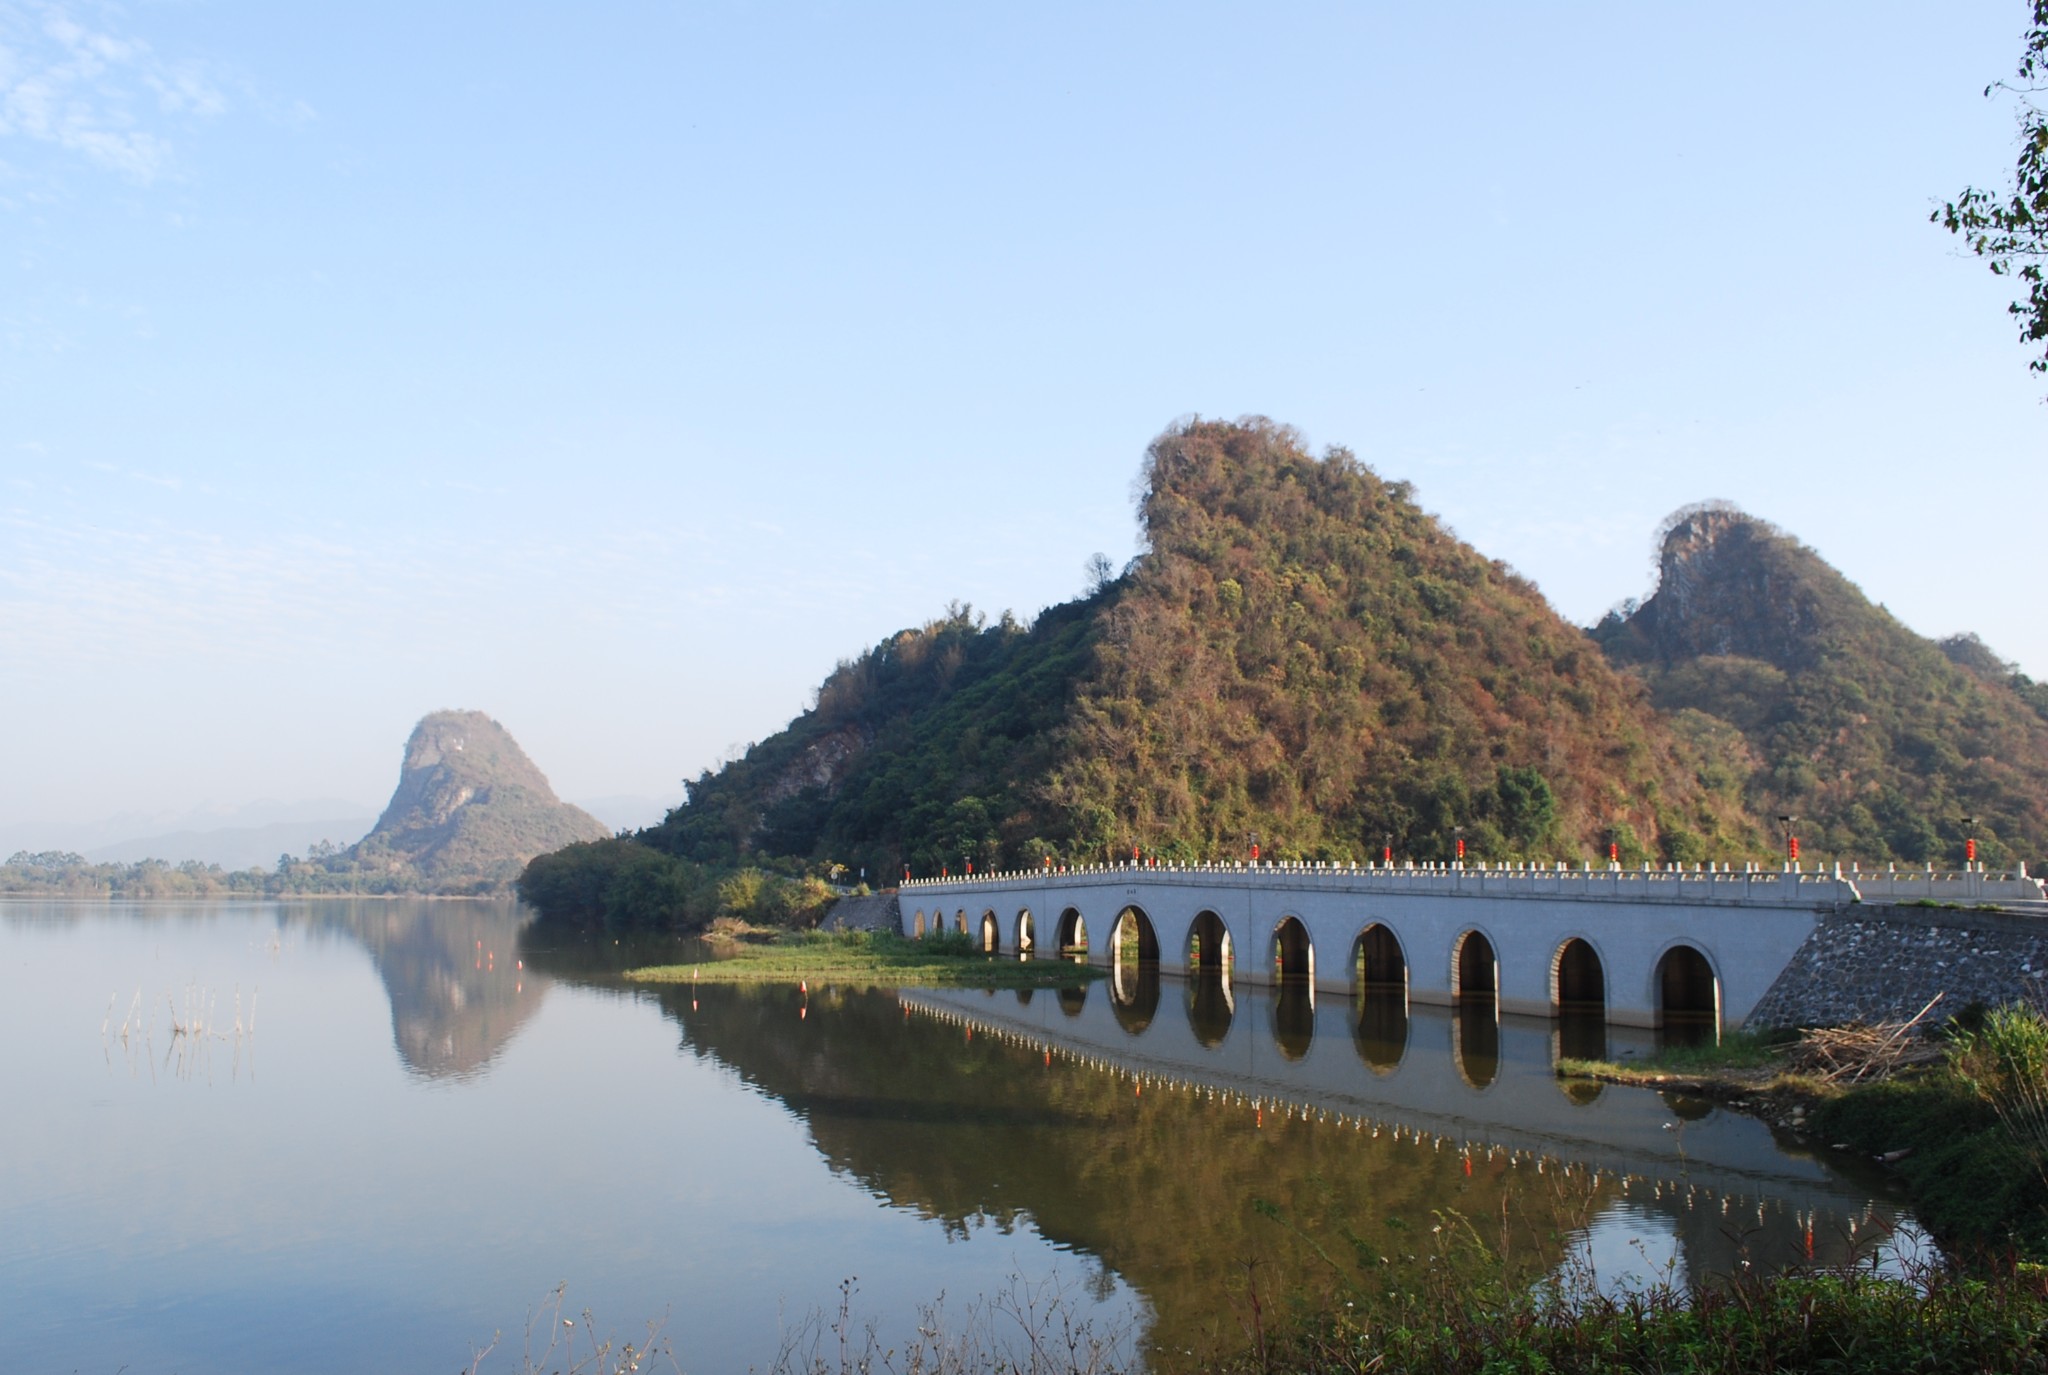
(1883,743)
(470,809)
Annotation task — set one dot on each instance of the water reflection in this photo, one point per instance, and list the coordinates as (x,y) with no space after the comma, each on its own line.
(1475,1030)
(1211,1005)
(1380,1030)
(1072,1000)
(1134,990)
(453,972)
(1294,1018)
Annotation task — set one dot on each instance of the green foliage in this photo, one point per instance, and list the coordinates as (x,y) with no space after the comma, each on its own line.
(1973,1136)
(869,958)
(1821,706)
(2009,229)
(622,885)
(1852,1324)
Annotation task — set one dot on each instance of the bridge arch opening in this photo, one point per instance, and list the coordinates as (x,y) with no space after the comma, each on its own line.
(1578,999)
(1378,962)
(1209,950)
(1475,971)
(1294,954)
(1132,940)
(1024,935)
(1688,998)
(1073,935)
(991,934)
(1379,987)
(917,930)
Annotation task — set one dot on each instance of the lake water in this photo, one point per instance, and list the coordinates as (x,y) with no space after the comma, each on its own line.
(340,1136)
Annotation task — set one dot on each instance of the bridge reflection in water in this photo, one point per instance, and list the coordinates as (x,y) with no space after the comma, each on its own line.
(1463,1079)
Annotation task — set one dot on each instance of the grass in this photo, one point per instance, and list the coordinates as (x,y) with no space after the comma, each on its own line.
(872,959)
(1744,1052)
(1848,1323)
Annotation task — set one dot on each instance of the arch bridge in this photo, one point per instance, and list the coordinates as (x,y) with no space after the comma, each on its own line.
(1648,947)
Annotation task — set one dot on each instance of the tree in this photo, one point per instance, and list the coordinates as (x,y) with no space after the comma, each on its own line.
(2009,230)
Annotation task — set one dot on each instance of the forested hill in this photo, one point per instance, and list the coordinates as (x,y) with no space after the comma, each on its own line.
(1881,741)
(1301,654)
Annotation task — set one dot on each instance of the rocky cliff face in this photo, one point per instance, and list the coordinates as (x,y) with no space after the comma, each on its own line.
(1730,584)
(470,808)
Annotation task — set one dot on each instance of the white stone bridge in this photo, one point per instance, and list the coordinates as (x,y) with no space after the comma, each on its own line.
(1644,947)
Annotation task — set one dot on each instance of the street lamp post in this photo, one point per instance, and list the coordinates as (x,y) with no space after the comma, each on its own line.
(1791,841)
(1969,842)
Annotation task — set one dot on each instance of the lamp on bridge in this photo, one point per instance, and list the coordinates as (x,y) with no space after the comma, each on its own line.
(1459,832)
(1252,837)
(1791,841)
(1387,849)
(1969,842)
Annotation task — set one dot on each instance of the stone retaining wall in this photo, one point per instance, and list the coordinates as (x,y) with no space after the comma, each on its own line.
(876,912)
(1871,963)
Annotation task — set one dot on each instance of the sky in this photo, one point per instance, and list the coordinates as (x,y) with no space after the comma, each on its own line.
(618,369)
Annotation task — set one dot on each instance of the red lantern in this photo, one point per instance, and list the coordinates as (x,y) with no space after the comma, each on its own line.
(1792,848)
(1613,853)
(1255,852)
(1461,849)
(1387,854)
(1970,849)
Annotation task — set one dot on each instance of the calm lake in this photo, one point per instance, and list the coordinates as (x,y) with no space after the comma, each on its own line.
(353,1136)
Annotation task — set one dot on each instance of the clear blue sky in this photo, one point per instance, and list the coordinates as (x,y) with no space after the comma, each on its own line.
(616,369)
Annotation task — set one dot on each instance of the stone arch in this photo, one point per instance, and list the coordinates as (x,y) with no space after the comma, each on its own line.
(1209,951)
(1378,961)
(991,934)
(1294,953)
(1688,990)
(1026,936)
(1132,938)
(1475,968)
(1073,934)
(1578,977)
(1578,1000)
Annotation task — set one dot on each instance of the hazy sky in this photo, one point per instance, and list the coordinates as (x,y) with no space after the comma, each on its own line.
(616,369)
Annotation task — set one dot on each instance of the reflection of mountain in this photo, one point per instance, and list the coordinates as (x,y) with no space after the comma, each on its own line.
(452,972)
(1166,1185)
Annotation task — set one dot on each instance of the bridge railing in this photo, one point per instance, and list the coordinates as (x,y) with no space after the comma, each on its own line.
(1750,883)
